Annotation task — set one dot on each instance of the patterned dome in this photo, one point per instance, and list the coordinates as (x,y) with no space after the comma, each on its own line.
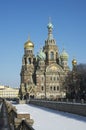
(28,45)
(41,55)
(64,55)
(50,25)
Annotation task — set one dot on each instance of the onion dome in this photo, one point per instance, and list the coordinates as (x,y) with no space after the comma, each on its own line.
(50,25)
(41,55)
(64,55)
(50,28)
(74,62)
(28,45)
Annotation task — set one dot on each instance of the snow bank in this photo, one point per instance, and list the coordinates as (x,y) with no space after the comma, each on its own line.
(47,119)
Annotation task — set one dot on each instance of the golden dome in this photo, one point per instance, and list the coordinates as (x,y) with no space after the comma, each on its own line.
(74,62)
(28,45)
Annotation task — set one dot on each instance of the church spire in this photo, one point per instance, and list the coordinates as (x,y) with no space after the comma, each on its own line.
(50,28)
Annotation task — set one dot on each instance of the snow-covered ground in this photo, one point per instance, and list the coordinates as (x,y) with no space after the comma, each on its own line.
(47,119)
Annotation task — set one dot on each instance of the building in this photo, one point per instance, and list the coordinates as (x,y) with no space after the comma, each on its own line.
(8,92)
(42,76)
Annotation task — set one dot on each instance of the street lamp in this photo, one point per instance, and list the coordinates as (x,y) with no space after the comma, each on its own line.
(45,83)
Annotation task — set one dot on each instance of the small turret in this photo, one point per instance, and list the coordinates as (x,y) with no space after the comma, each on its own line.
(74,64)
(50,28)
(64,60)
(64,55)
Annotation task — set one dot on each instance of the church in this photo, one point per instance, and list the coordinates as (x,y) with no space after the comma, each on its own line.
(42,76)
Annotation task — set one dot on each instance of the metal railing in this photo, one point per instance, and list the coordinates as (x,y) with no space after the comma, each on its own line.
(82,101)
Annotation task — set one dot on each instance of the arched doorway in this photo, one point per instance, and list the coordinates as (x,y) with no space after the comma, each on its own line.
(31,96)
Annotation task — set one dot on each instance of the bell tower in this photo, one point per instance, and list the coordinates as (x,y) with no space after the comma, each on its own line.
(27,69)
(50,48)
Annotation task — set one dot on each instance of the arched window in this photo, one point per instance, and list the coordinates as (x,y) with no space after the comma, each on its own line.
(25,60)
(54,78)
(57,88)
(51,55)
(54,88)
(50,88)
(46,55)
(29,60)
(42,88)
(57,78)
(50,78)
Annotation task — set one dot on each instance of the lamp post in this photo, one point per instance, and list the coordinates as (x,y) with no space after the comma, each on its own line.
(45,83)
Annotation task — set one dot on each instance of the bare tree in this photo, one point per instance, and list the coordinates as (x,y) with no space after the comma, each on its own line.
(75,83)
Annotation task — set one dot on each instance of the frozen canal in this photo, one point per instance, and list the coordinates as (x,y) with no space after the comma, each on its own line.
(47,119)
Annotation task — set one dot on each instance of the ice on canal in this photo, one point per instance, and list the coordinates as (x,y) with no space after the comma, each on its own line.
(47,119)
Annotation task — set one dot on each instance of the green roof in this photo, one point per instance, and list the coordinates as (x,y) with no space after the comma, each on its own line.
(64,55)
(41,55)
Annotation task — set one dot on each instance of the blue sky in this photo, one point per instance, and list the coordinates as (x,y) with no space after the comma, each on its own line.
(20,19)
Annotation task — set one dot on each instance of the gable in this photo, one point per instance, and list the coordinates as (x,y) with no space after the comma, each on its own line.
(54,68)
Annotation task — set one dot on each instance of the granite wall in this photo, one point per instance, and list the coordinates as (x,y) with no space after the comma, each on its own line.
(75,108)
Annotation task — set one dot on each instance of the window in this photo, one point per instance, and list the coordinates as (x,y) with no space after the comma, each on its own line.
(57,78)
(54,88)
(42,88)
(42,78)
(50,78)
(30,51)
(46,55)
(25,60)
(54,78)
(52,55)
(56,55)
(50,88)
(29,60)
(57,88)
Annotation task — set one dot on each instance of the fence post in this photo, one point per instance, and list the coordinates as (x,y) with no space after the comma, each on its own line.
(74,100)
(67,100)
(82,101)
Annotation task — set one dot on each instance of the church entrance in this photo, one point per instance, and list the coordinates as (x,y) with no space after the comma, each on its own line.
(31,96)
